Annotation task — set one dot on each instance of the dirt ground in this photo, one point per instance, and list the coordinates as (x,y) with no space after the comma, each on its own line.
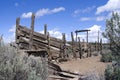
(84,66)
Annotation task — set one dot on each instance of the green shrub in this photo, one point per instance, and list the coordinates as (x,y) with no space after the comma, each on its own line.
(112,73)
(107,57)
(20,66)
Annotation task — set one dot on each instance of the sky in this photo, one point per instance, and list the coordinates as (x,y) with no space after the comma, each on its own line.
(61,16)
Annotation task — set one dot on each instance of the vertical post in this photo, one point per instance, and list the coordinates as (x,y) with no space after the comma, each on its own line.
(48,49)
(83,43)
(64,45)
(32,30)
(76,36)
(60,55)
(83,46)
(87,37)
(17,26)
(98,41)
(95,45)
(101,45)
(45,29)
(87,43)
(90,50)
(73,44)
(80,50)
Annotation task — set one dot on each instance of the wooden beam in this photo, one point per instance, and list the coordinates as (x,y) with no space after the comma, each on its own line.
(32,30)
(81,31)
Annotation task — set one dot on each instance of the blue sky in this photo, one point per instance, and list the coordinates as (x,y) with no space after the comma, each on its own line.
(61,16)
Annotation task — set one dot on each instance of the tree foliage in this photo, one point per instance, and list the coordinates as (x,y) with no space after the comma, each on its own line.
(112,32)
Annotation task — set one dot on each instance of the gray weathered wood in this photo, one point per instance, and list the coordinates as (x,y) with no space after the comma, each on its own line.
(32,31)
(73,45)
(45,29)
(17,26)
(80,50)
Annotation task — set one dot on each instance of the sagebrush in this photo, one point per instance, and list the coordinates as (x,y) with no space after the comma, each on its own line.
(16,65)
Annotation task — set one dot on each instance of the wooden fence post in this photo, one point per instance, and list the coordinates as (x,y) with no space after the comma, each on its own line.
(80,50)
(17,26)
(32,30)
(87,44)
(48,48)
(60,55)
(45,29)
(98,43)
(101,45)
(73,45)
(90,50)
(95,46)
(64,45)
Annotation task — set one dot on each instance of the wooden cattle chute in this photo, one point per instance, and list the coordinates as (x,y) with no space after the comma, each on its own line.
(28,39)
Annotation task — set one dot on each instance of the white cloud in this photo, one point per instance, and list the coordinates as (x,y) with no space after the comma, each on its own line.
(12,29)
(54,33)
(93,34)
(111,5)
(85,19)
(78,11)
(55,10)
(11,36)
(43,12)
(26,15)
(98,18)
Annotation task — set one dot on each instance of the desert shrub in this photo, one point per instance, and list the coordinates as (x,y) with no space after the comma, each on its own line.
(93,75)
(20,66)
(107,57)
(112,73)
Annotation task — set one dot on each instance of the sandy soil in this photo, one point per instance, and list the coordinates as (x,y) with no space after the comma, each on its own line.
(84,66)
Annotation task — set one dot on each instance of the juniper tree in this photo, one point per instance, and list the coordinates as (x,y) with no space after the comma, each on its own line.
(112,33)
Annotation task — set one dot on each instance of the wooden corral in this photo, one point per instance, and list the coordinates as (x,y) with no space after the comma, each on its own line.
(28,39)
